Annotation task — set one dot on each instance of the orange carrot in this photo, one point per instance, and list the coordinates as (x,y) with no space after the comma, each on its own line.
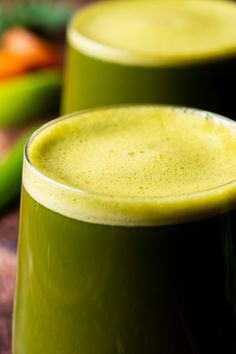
(10,65)
(35,51)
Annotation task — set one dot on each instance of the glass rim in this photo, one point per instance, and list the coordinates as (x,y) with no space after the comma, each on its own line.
(100,50)
(214,116)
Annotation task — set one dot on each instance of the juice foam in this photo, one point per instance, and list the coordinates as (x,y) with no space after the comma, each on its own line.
(156,32)
(134,165)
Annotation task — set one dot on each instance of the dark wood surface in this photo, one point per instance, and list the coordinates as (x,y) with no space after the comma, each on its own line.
(8,229)
(8,244)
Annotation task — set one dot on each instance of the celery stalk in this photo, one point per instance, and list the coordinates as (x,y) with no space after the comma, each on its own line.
(29,96)
(10,172)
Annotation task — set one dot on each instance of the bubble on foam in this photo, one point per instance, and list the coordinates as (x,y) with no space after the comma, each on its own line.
(119,163)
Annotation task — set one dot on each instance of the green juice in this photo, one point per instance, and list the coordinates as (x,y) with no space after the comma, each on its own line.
(127,235)
(174,52)
(87,288)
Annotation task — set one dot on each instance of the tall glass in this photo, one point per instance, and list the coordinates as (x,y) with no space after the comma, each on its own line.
(99,73)
(95,288)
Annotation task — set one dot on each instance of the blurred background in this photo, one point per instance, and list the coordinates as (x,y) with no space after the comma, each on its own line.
(32,46)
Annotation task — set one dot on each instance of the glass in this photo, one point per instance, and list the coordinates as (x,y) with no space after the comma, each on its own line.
(102,289)
(98,75)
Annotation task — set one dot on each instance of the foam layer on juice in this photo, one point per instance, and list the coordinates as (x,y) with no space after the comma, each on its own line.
(156,32)
(140,165)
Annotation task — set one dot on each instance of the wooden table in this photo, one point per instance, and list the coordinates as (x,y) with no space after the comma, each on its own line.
(8,245)
(8,242)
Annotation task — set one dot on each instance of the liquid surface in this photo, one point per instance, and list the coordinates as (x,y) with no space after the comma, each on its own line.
(156,32)
(145,152)
(134,162)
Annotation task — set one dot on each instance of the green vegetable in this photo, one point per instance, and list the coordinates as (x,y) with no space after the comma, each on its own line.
(10,172)
(34,15)
(29,96)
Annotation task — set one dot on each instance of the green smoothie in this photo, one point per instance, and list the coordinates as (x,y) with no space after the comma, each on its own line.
(127,234)
(173,51)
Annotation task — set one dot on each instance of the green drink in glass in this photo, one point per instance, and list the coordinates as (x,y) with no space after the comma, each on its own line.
(127,234)
(172,51)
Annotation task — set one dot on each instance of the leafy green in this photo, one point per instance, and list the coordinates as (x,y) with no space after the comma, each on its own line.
(43,16)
